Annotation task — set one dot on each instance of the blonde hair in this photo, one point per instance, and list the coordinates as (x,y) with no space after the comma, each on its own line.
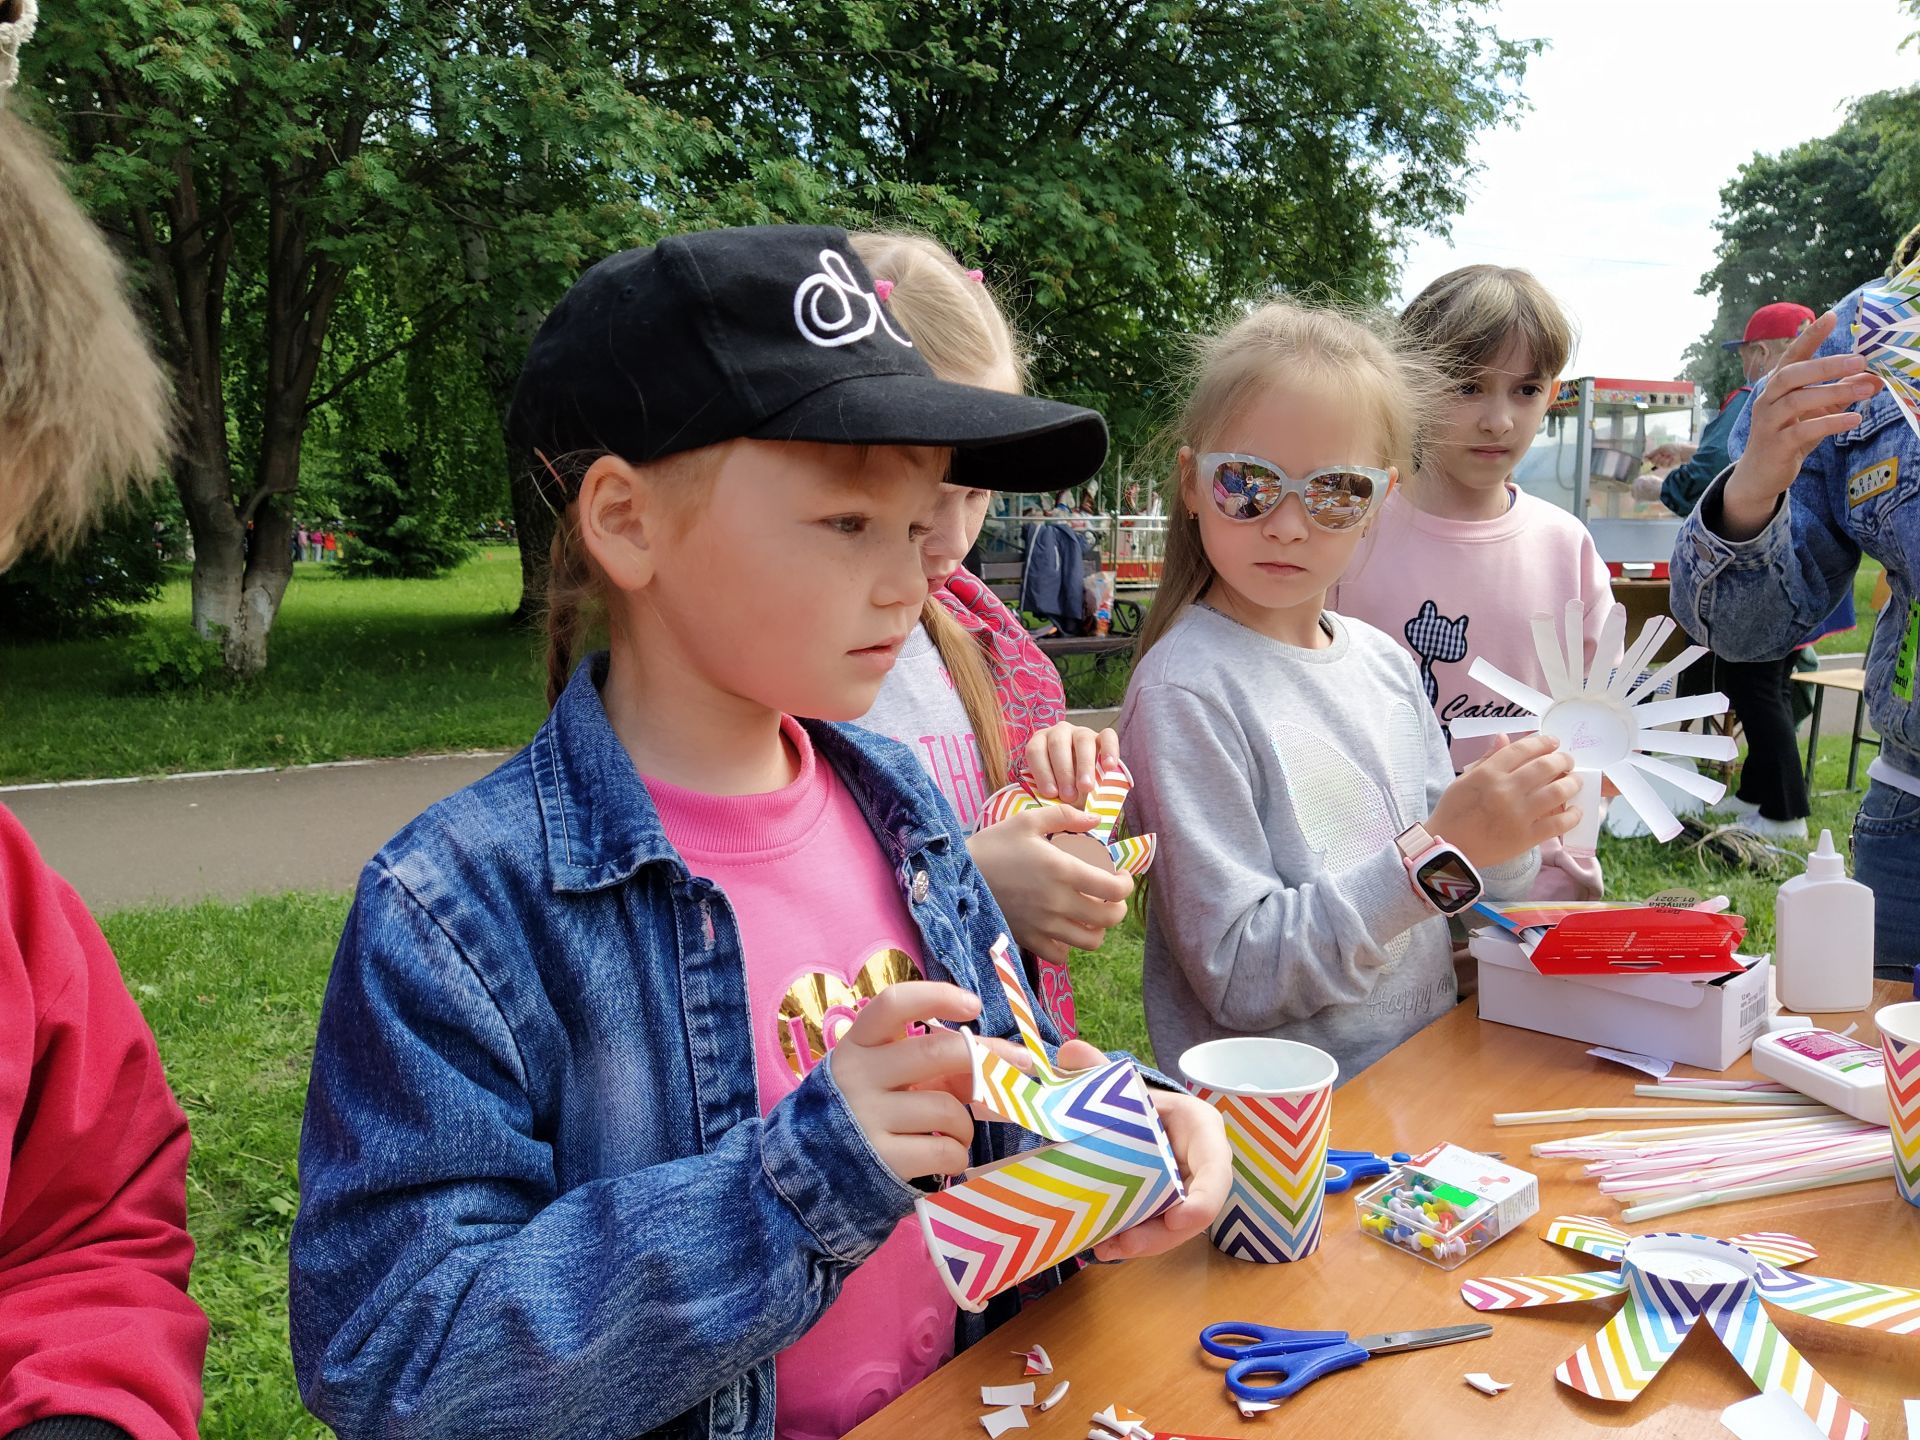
(1351,354)
(85,413)
(1464,318)
(960,330)
(1905,252)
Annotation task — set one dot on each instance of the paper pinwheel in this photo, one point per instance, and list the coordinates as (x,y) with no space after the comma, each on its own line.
(1113,783)
(1606,717)
(1109,1166)
(1673,1282)
(1886,333)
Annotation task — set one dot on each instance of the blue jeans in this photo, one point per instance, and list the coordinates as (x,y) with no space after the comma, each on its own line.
(1886,859)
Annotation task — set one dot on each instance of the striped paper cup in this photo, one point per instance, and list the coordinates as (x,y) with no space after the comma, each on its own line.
(1899,1027)
(1276,1097)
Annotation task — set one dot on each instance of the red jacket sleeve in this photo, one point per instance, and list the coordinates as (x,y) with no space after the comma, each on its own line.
(94,1314)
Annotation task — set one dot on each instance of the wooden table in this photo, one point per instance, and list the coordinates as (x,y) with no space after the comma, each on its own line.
(1126,1332)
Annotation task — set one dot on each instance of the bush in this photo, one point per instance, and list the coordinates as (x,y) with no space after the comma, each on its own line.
(402,529)
(166,659)
(90,590)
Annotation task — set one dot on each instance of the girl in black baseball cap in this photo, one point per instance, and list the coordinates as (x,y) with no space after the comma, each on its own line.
(645,1005)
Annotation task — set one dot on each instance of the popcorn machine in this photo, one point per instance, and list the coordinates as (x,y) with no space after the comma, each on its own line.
(1587,454)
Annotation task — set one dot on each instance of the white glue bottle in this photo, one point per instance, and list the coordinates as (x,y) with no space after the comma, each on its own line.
(1823,936)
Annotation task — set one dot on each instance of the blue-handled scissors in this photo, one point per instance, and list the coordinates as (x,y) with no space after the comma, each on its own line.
(1346,1166)
(1287,1361)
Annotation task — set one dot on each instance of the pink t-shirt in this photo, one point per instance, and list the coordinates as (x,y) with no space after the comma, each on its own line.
(824,928)
(1451,590)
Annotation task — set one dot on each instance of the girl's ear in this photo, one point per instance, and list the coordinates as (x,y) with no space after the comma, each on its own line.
(620,521)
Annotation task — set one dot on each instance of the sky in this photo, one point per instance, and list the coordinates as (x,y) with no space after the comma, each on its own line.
(1608,188)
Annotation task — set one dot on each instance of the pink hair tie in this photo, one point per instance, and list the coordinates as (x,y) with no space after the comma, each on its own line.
(882,289)
(977,277)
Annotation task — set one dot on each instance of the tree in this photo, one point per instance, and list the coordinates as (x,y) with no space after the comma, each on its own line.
(1136,166)
(251,154)
(1806,225)
(1124,168)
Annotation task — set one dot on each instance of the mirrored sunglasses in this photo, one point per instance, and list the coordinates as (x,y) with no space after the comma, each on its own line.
(1245,487)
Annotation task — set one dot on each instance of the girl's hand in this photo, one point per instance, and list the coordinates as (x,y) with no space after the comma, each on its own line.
(1053,901)
(900,1086)
(1061,758)
(1806,400)
(1508,801)
(1199,1140)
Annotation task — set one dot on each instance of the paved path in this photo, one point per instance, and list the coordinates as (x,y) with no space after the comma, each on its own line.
(234,835)
(230,836)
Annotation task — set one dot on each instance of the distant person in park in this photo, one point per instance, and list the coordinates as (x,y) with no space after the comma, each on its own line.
(98,1338)
(972,695)
(1771,799)
(1825,471)
(620,1100)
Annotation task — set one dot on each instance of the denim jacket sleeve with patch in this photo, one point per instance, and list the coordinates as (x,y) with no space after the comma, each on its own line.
(1856,493)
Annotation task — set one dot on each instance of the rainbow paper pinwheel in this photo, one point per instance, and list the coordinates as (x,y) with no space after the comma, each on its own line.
(1113,782)
(1886,334)
(1673,1282)
(1606,717)
(1108,1168)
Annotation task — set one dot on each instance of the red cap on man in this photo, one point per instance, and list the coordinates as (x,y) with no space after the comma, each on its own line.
(1781,320)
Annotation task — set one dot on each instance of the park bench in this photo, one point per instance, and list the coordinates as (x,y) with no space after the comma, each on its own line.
(1004,577)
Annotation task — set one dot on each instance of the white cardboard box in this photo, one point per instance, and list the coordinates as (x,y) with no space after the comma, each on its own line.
(1710,1024)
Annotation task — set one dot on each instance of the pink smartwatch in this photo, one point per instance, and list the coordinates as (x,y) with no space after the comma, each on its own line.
(1438,871)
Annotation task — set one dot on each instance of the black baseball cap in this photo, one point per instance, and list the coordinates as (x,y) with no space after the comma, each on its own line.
(771,332)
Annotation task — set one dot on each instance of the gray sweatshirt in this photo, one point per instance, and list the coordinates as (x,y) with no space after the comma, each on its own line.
(1277,780)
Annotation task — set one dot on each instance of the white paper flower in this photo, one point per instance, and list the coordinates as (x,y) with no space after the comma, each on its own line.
(1607,719)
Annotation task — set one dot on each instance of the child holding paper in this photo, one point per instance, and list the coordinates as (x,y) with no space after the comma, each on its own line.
(1460,559)
(971,695)
(620,1096)
(1312,832)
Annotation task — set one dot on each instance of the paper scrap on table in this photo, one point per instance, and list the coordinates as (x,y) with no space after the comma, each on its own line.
(999,1422)
(1646,1064)
(1054,1396)
(1913,1420)
(1038,1361)
(1118,1420)
(1770,1415)
(1007,1394)
(1251,1408)
(1486,1384)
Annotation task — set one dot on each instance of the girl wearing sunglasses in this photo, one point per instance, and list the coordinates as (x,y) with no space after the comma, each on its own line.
(1313,836)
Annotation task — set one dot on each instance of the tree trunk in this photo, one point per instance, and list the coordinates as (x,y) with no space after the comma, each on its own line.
(500,342)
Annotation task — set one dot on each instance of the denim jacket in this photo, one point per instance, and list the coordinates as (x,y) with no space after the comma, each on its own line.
(1857,493)
(538,1197)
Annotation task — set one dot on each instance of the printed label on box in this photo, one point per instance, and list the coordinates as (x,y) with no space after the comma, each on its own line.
(1515,1194)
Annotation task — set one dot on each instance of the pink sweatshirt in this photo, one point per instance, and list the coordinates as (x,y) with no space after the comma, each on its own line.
(824,929)
(1451,590)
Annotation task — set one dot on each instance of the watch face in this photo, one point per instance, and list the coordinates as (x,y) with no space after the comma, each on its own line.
(1449,882)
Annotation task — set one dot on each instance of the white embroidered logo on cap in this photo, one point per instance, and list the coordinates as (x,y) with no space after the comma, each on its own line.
(828,307)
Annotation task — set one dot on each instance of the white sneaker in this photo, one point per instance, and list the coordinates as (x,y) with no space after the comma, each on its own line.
(1758,824)
(1736,807)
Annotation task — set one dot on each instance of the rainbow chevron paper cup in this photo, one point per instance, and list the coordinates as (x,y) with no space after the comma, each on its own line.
(1276,1097)
(1899,1027)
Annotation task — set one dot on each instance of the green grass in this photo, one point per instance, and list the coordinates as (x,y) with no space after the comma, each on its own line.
(233,995)
(356,668)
